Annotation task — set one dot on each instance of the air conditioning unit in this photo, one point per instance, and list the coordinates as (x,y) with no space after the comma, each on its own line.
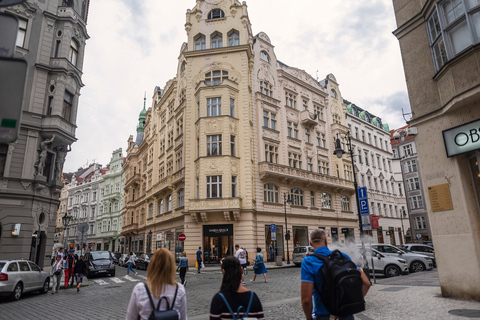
(412,131)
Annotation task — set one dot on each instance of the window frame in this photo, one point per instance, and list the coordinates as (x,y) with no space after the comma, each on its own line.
(214,145)
(214,187)
(270,193)
(212,14)
(214,106)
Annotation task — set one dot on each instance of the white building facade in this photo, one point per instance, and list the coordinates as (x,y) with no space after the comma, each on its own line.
(380,173)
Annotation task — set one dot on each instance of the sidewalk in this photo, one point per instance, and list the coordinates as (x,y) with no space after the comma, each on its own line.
(268,265)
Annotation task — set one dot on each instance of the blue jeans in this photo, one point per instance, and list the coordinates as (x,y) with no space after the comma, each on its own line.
(199,265)
(130,267)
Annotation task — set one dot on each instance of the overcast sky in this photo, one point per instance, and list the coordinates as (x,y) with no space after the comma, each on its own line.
(134,46)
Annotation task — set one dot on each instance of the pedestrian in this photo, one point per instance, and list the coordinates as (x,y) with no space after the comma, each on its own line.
(56,273)
(259,267)
(242,257)
(160,284)
(73,276)
(131,263)
(80,270)
(234,296)
(183,266)
(69,264)
(199,259)
(311,279)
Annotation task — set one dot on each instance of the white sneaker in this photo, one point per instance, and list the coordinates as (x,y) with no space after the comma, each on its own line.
(136,273)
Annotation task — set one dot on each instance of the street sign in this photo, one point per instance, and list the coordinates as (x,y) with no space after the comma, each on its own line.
(83,227)
(363,200)
(273,230)
(169,236)
(366,223)
(181,237)
(419,236)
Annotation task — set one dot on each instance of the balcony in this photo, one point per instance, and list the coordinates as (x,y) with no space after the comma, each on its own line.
(178,176)
(217,204)
(163,184)
(129,227)
(134,180)
(55,122)
(308,119)
(288,174)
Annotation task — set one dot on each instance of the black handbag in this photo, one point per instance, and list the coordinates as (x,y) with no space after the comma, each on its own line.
(169,314)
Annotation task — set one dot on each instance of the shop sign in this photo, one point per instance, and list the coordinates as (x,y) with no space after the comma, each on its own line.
(462,139)
(375,223)
(218,230)
(169,236)
(159,236)
(344,230)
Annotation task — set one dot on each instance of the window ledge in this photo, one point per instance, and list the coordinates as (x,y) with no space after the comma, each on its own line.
(314,208)
(300,207)
(328,210)
(150,218)
(347,211)
(272,204)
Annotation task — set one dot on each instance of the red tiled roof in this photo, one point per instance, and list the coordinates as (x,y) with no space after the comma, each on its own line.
(394,142)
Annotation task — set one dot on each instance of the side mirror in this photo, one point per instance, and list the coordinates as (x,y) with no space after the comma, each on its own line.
(400,252)
(379,257)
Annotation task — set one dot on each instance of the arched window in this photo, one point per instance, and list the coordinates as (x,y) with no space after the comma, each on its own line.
(326,201)
(216,77)
(296,196)
(216,14)
(217,41)
(150,210)
(181,197)
(270,193)
(345,203)
(312,199)
(264,56)
(233,39)
(169,203)
(200,42)
(333,93)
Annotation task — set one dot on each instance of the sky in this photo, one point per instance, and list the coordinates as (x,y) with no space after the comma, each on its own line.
(134,46)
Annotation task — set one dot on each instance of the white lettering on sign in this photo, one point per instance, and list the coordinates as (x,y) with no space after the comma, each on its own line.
(462,139)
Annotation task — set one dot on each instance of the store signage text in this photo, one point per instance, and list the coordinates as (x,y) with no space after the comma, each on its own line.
(462,139)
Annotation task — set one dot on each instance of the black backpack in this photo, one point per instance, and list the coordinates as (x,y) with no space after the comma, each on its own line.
(169,314)
(341,290)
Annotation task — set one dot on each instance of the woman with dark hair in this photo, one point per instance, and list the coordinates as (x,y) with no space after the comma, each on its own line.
(259,267)
(234,301)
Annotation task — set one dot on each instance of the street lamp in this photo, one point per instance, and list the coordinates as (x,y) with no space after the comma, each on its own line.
(286,199)
(65,220)
(403,214)
(339,152)
(149,242)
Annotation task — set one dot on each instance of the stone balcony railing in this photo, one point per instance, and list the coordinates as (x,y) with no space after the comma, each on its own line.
(56,121)
(178,176)
(307,118)
(130,227)
(134,179)
(272,170)
(217,204)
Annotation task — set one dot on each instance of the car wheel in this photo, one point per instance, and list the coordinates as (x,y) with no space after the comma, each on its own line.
(17,292)
(392,271)
(46,286)
(112,274)
(417,266)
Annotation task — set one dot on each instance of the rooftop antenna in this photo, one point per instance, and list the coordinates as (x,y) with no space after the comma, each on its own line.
(317,75)
(404,114)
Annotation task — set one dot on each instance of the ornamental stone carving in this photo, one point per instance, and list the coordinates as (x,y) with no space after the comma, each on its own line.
(226,215)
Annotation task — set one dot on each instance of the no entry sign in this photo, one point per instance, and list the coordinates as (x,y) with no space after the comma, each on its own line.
(181,237)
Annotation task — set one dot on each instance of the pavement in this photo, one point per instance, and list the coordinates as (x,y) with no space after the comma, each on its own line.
(416,296)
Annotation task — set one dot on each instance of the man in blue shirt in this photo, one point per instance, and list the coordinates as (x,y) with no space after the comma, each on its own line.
(199,258)
(311,279)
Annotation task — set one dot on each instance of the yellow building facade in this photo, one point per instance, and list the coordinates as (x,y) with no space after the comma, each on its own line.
(227,141)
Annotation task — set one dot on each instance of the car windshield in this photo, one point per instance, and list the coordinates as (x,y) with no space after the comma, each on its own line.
(300,250)
(100,256)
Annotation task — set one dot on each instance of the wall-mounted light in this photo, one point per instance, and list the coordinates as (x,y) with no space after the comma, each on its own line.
(16,229)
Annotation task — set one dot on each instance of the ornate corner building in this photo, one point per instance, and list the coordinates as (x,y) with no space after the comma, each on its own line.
(227,141)
(440,46)
(51,38)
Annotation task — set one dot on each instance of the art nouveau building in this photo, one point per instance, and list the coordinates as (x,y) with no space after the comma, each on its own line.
(51,38)
(226,139)
(440,46)
(380,172)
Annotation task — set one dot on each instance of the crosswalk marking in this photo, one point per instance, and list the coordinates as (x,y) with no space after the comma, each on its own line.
(143,277)
(116,280)
(130,278)
(100,282)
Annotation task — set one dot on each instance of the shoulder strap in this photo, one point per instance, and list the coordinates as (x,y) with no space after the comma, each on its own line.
(249,304)
(169,307)
(319,256)
(149,296)
(228,306)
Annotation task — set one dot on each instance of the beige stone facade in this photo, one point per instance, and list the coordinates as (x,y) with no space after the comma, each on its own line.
(226,139)
(443,76)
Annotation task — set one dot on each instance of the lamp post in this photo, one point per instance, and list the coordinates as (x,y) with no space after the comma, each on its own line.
(65,220)
(286,199)
(403,214)
(339,152)
(149,242)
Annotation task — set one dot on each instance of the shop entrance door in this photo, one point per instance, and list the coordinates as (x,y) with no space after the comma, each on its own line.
(217,243)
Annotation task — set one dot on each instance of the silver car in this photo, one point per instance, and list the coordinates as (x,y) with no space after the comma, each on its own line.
(416,262)
(389,266)
(18,276)
(420,249)
(301,252)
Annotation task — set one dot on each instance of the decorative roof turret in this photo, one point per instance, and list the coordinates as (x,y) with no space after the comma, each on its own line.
(141,117)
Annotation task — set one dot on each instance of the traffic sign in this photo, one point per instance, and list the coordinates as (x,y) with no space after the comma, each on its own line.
(83,227)
(273,230)
(181,237)
(363,201)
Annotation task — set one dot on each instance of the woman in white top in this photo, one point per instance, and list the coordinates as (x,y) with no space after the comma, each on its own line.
(161,283)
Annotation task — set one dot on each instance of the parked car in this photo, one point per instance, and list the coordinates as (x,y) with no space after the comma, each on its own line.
(421,249)
(142,261)
(19,276)
(387,265)
(115,256)
(416,262)
(299,253)
(99,263)
(122,261)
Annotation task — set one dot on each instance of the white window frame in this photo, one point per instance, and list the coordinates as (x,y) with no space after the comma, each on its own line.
(270,193)
(214,187)
(214,107)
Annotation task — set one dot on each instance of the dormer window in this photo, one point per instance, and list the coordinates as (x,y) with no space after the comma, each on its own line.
(184,65)
(217,41)
(200,42)
(215,78)
(233,39)
(216,14)
(333,94)
(264,56)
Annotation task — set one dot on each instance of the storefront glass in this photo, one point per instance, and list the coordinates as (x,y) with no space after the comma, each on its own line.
(179,245)
(300,236)
(217,242)
(335,235)
(275,247)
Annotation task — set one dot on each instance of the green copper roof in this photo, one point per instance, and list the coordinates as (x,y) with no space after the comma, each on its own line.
(141,117)
(362,115)
(374,121)
(386,127)
(349,108)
